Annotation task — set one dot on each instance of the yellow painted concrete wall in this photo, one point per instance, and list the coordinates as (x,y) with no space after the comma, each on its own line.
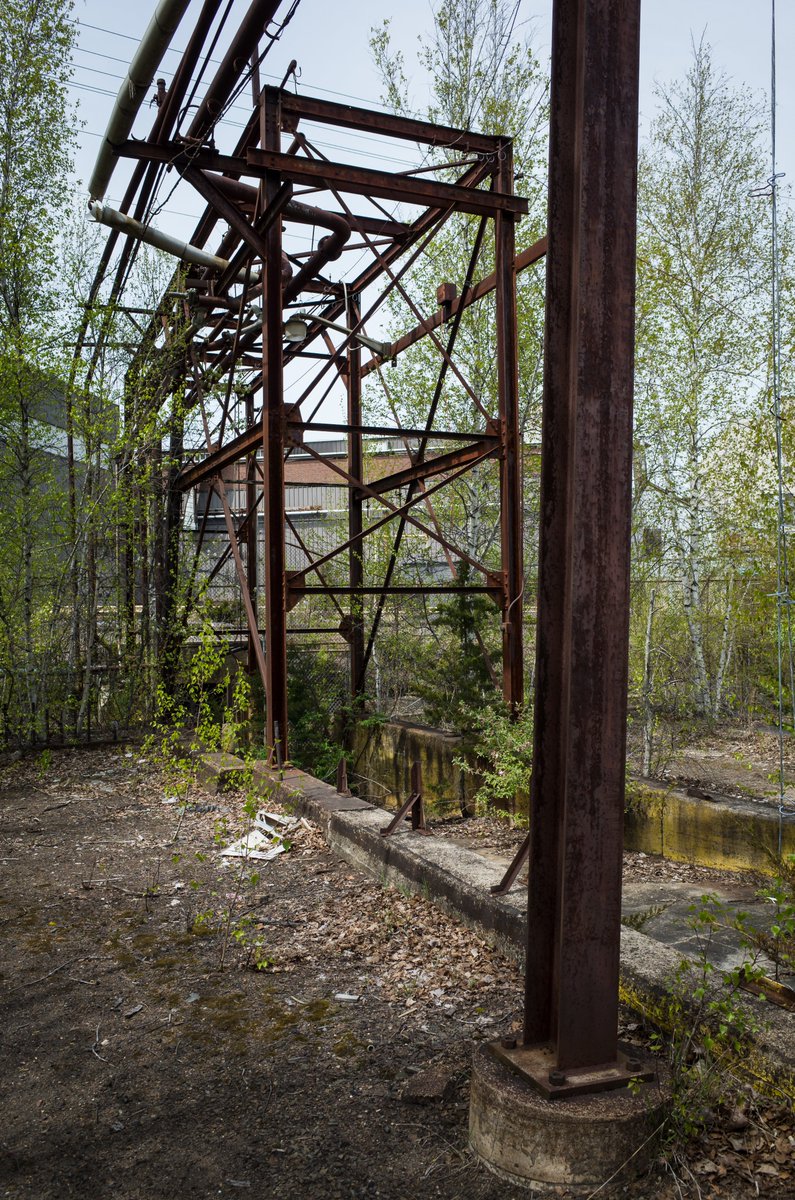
(384,754)
(728,834)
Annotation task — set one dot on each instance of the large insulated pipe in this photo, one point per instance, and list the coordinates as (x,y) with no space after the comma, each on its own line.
(154,237)
(146,60)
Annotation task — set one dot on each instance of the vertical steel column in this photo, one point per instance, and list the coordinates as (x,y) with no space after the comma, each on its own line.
(355,505)
(273,427)
(510,461)
(574,905)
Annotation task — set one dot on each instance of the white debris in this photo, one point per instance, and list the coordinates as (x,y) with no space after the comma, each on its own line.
(266,840)
(255,844)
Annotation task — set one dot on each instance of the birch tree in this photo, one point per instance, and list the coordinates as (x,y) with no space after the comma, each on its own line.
(703,349)
(36,141)
(477,70)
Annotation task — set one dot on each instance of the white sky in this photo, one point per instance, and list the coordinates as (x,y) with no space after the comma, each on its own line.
(330,41)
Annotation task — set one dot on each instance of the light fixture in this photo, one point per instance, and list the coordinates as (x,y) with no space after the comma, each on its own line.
(296,328)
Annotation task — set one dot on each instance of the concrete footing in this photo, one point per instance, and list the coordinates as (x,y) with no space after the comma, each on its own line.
(576,1143)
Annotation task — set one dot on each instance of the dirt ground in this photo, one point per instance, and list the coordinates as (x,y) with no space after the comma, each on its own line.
(724,759)
(177,1027)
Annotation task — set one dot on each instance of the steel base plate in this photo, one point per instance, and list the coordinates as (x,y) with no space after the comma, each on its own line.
(538,1065)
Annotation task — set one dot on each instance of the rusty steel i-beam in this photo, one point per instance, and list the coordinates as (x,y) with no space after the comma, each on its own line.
(577,791)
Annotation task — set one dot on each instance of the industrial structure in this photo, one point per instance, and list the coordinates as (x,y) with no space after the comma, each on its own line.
(250,313)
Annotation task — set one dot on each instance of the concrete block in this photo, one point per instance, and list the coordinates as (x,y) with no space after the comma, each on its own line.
(575,1143)
(219,772)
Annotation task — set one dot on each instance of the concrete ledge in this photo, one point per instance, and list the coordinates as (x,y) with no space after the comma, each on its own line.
(455,878)
(724,833)
(458,880)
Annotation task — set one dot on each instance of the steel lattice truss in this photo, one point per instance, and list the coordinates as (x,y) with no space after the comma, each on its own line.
(276,179)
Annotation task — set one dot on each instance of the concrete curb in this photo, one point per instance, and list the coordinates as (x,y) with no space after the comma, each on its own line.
(457,880)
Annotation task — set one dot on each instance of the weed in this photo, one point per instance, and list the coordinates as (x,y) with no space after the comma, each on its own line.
(637,920)
(711,1027)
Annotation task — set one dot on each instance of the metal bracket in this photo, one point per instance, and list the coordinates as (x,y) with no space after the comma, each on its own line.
(342,777)
(509,878)
(413,807)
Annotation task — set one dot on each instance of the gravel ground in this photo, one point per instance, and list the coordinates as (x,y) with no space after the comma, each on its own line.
(177,1026)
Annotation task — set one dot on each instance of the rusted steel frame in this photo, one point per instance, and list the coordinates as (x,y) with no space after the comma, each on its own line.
(396,511)
(239,259)
(424,193)
(431,511)
(303,546)
(253,494)
(224,558)
(577,783)
(181,155)
(242,528)
(446,360)
(433,216)
(414,232)
(199,542)
(234,351)
(228,211)
(510,469)
(440,589)
(337,310)
(448,435)
(247,576)
(407,128)
(428,504)
(273,423)
(249,137)
(228,357)
(364,181)
(402,510)
(387,270)
(251,617)
(523,260)
(455,165)
(355,509)
(423,230)
(428,467)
